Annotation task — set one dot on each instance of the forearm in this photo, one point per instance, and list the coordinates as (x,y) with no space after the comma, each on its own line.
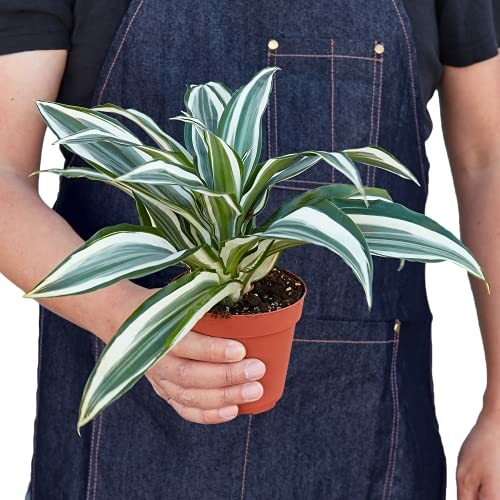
(34,239)
(479,208)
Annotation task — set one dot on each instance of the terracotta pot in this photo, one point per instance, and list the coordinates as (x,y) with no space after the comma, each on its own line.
(266,336)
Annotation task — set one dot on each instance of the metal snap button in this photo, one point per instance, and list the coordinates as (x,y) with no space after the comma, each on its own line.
(273,44)
(379,48)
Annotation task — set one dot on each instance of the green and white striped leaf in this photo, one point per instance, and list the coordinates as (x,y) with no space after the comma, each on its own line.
(145,122)
(392,230)
(324,224)
(376,156)
(174,157)
(65,120)
(94,135)
(142,211)
(168,222)
(162,204)
(160,172)
(225,164)
(222,211)
(307,198)
(233,251)
(112,254)
(147,335)
(285,167)
(241,123)
(77,172)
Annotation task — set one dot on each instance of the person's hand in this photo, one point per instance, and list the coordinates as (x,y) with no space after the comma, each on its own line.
(204,378)
(478,470)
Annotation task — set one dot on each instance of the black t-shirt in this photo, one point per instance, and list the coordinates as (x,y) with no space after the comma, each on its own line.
(451,32)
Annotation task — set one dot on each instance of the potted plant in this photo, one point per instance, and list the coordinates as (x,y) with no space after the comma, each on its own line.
(198,204)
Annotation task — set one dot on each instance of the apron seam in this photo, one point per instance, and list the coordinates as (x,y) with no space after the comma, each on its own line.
(332,99)
(391,465)
(413,94)
(245,459)
(119,50)
(379,105)
(335,341)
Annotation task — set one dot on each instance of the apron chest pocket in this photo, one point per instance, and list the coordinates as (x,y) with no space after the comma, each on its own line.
(327,97)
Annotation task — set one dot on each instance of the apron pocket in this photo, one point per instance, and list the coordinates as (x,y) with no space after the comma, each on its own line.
(332,435)
(327,98)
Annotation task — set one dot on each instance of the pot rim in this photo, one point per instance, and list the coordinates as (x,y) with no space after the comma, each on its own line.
(260,314)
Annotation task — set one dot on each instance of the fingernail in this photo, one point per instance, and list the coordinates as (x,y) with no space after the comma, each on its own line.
(228,412)
(255,369)
(251,392)
(235,351)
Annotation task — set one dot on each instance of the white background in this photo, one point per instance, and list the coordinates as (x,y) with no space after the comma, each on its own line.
(459,371)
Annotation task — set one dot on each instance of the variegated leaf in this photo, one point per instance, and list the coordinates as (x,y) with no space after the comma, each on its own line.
(160,172)
(393,230)
(379,157)
(241,123)
(145,122)
(324,224)
(112,254)
(285,167)
(148,334)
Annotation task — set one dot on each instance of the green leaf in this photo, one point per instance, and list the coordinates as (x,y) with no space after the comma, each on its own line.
(392,230)
(324,224)
(379,157)
(241,123)
(94,135)
(160,172)
(285,167)
(148,334)
(111,255)
(233,251)
(143,213)
(222,211)
(145,122)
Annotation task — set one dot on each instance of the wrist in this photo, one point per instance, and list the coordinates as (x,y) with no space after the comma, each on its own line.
(123,299)
(491,404)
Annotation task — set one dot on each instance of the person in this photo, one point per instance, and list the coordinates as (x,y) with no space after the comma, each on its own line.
(357,418)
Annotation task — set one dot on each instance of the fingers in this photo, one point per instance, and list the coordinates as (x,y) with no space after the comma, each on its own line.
(207,399)
(200,374)
(204,348)
(467,486)
(199,416)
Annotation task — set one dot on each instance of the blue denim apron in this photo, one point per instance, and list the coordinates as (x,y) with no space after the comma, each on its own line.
(357,418)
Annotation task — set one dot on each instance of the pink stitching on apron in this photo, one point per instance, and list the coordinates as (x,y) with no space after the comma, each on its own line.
(132,19)
(269,116)
(92,437)
(97,455)
(413,94)
(332,104)
(275,109)
(396,435)
(380,88)
(328,56)
(245,461)
(290,188)
(391,466)
(372,113)
(327,341)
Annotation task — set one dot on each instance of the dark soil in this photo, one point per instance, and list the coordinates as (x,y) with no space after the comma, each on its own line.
(275,291)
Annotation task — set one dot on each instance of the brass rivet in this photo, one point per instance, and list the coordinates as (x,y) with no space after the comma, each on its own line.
(273,44)
(379,48)
(397,326)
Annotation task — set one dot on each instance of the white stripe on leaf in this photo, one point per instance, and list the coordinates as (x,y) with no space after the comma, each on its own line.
(148,334)
(112,254)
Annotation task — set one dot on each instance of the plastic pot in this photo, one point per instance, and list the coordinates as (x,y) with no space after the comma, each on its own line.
(266,336)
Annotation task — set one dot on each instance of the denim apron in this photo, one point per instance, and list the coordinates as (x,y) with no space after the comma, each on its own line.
(357,418)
